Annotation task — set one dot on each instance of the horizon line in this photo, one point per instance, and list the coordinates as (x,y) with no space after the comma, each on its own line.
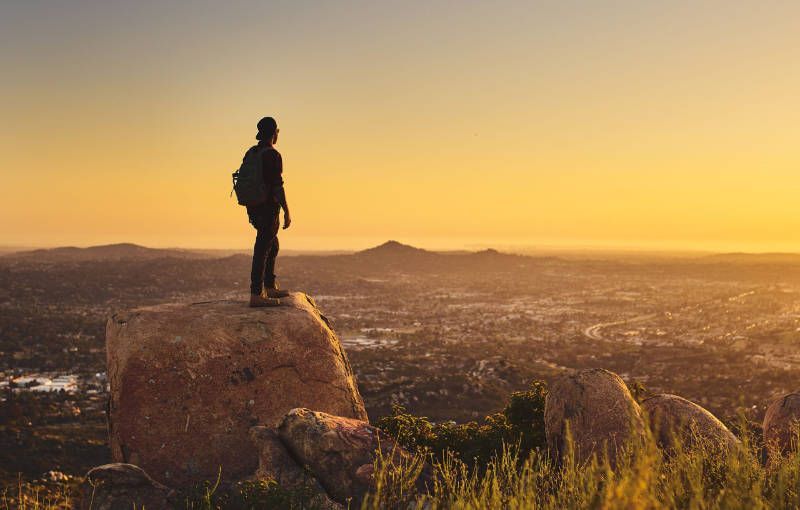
(627,248)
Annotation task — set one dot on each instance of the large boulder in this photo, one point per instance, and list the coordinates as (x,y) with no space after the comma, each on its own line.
(782,425)
(341,452)
(674,419)
(597,409)
(189,380)
(122,487)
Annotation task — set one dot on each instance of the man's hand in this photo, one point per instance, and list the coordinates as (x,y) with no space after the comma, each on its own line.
(287,220)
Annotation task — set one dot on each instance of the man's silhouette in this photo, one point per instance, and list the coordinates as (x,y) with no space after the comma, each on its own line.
(265,217)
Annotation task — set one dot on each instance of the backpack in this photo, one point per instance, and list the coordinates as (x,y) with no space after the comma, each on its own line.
(248,180)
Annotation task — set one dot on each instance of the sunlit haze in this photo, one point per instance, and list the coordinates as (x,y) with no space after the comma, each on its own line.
(663,125)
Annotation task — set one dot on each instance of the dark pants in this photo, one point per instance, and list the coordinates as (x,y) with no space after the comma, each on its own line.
(265,251)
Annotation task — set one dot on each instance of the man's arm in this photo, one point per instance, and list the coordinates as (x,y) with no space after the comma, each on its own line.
(280,193)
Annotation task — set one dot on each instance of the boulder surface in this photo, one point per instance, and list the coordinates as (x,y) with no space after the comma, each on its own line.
(189,380)
(339,451)
(274,460)
(673,418)
(276,463)
(597,409)
(121,487)
(782,424)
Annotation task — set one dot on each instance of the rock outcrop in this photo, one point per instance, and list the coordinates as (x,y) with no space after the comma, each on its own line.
(121,487)
(276,463)
(782,425)
(188,381)
(274,460)
(597,409)
(339,451)
(674,419)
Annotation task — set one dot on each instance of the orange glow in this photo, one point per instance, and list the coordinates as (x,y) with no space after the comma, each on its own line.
(663,127)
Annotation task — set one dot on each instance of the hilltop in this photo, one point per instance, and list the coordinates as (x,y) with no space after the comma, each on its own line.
(113,252)
(394,249)
(393,255)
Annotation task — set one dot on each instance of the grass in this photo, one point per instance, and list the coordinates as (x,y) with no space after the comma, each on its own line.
(694,479)
(31,496)
(700,478)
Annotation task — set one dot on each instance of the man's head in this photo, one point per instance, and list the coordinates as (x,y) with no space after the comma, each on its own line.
(267,130)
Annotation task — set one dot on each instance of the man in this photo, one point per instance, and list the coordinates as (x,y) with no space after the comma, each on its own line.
(265,217)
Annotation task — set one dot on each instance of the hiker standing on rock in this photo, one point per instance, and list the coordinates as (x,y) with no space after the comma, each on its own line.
(259,186)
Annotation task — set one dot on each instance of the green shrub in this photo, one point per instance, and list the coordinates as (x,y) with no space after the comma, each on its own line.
(520,423)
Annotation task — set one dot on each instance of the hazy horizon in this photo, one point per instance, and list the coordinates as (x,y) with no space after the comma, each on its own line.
(353,245)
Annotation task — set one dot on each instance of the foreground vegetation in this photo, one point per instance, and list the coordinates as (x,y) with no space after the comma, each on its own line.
(502,464)
(703,477)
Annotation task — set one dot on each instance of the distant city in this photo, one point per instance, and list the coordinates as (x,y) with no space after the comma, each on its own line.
(446,335)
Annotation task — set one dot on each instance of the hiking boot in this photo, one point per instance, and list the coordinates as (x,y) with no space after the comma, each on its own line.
(261,301)
(275,292)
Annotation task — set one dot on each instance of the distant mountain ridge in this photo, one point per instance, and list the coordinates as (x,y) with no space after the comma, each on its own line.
(396,256)
(119,251)
(390,255)
(390,251)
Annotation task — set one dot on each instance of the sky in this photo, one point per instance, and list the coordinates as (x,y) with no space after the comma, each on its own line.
(664,125)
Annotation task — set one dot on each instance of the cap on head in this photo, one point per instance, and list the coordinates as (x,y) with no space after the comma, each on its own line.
(266,128)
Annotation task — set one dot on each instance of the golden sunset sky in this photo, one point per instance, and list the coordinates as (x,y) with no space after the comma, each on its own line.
(616,123)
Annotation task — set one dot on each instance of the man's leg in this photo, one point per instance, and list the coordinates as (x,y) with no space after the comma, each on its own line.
(261,249)
(269,266)
(270,284)
(259,255)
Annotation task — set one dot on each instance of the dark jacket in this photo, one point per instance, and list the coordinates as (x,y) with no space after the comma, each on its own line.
(272,165)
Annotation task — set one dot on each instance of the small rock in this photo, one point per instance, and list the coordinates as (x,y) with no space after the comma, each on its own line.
(56,476)
(122,487)
(339,451)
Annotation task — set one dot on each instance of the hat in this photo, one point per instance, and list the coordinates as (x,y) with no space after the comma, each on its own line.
(266,128)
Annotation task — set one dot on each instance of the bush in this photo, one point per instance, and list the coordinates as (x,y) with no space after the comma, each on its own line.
(521,423)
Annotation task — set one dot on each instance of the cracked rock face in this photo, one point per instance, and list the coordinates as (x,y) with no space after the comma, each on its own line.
(189,380)
(276,463)
(672,417)
(782,425)
(339,451)
(601,413)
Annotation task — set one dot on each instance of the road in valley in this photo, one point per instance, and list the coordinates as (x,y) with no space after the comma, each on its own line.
(594,332)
